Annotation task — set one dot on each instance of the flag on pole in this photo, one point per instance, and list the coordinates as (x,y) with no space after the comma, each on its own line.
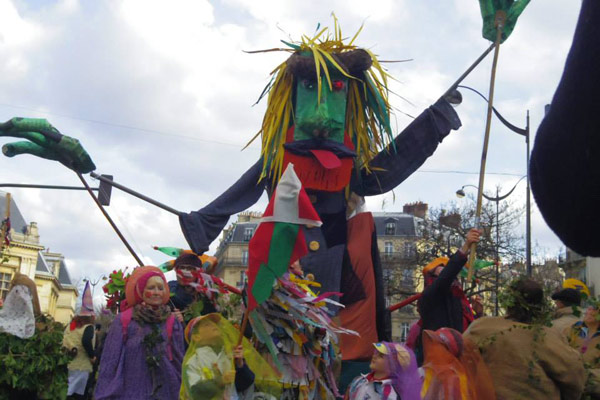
(279,240)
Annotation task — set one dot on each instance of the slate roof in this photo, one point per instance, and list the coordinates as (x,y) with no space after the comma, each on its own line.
(238,233)
(405,224)
(17,221)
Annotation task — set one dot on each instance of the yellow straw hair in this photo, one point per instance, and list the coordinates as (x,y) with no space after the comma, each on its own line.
(368,110)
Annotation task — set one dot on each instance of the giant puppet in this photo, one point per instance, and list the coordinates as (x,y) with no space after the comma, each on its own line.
(328,113)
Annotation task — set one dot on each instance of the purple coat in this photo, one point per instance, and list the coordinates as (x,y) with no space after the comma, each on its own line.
(123,370)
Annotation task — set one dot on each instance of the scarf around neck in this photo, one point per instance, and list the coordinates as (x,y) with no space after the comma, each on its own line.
(149,315)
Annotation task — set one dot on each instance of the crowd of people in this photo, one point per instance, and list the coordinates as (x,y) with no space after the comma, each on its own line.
(153,349)
(151,352)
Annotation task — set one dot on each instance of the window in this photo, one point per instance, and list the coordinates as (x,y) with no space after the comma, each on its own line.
(248,232)
(388,248)
(404,331)
(390,228)
(5,279)
(245,257)
(407,277)
(240,283)
(408,250)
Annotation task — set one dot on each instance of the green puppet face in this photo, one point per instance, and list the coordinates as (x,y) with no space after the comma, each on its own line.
(322,118)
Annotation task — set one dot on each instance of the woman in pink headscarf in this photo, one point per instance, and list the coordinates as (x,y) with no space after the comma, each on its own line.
(144,348)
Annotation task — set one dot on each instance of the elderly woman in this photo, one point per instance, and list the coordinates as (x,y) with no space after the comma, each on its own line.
(144,348)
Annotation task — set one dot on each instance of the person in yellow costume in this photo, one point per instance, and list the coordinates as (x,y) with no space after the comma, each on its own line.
(214,368)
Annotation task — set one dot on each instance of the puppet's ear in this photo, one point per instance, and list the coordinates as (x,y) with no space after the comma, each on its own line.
(355,62)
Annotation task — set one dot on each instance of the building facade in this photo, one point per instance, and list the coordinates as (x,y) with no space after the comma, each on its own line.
(25,254)
(397,236)
(586,269)
(232,253)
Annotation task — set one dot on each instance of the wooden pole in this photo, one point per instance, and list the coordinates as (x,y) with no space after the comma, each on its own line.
(500,20)
(243,327)
(5,231)
(110,221)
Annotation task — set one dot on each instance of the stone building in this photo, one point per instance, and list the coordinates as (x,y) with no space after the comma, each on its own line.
(25,254)
(232,252)
(397,235)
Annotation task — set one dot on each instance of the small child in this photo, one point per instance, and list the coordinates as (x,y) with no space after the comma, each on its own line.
(394,375)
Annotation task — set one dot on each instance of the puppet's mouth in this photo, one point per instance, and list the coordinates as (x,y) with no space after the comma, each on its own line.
(327,152)
(327,159)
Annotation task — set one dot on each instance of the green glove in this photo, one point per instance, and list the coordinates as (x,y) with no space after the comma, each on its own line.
(45,141)
(512,8)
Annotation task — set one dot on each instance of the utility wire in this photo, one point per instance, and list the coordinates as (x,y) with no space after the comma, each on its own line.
(157,132)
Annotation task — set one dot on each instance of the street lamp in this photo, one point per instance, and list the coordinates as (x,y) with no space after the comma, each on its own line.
(460,193)
(523,132)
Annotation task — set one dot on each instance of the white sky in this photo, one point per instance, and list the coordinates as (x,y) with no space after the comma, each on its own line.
(160,94)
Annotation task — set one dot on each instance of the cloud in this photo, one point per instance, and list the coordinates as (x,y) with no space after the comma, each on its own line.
(161,95)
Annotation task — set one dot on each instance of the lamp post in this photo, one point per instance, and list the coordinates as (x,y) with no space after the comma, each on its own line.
(523,132)
(460,193)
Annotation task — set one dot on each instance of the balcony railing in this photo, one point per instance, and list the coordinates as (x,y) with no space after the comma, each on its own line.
(396,256)
(233,261)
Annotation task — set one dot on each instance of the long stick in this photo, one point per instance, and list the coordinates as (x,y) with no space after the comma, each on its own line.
(468,71)
(110,221)
(405,302)
(500,19)
(243,328)
(5,231)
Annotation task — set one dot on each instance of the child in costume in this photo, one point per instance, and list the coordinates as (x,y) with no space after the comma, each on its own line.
(394,375)
(79,338)
(214,368)
(144,348)
(184,294)
(454,369)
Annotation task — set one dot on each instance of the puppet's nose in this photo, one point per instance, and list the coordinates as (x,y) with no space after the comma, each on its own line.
(321,133)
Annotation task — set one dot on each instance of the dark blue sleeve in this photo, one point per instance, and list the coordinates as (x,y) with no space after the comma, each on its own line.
(448,275)
(564,167)
(244,378)
(411,148)
(201,227)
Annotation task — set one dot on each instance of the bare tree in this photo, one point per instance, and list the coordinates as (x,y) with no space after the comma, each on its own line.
(443,232)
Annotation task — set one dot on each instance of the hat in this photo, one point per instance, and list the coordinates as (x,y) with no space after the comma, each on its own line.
(435,263)
(568,296)
(577,285)
(450,338)
(403,355)
(141,274)
(87,304)
(290,203)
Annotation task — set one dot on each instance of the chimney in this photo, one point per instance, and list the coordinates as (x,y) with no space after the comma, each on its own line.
(451,220)
(418,209)
(32,233)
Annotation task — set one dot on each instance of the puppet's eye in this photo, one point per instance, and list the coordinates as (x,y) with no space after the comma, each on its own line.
(338,85)
(308,84)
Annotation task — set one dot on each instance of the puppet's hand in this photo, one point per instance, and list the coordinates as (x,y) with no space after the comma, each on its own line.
(454,97)
(44,140)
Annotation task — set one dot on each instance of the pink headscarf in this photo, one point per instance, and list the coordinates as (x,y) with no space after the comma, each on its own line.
(137,283)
